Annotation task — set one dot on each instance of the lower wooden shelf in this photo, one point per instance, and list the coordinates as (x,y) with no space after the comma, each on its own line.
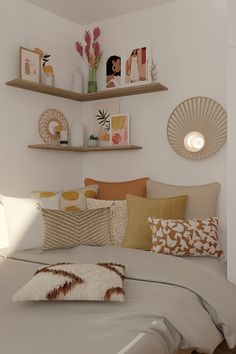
(84,149)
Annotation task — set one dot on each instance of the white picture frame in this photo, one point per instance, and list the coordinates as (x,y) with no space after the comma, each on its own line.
(120,130)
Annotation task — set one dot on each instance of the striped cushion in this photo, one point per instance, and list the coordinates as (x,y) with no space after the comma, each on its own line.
(71,228)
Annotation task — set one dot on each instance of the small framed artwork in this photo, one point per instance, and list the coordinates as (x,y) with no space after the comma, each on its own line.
(30,65)
(119,129)
(113,72)
(135,67)
(103,111)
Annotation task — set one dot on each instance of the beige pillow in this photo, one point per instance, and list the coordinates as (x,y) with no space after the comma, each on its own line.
(119,217)
(83,282)
(193,237)
(64,229)
(138,233)
(202,200)
(76,199)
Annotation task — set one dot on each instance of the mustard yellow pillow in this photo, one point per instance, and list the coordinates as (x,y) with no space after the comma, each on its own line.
(138,233)
(76,200)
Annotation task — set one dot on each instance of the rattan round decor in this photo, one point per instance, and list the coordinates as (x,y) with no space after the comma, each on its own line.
(200,114)
(48,117)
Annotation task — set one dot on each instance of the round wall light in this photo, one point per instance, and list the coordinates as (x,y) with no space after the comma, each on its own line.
(197,128)
(194,141)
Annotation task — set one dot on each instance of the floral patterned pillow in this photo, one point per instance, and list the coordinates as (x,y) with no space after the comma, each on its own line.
(193,237)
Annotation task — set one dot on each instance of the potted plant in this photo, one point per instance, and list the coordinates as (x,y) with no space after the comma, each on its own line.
(92,141)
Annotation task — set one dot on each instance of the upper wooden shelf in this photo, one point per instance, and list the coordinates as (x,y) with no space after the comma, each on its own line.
(83,97)
(84,149)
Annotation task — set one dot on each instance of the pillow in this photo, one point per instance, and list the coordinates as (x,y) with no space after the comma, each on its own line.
(75,200)
(72,228)
(44,194)
(118,190)
(202,200)
(119,217)
(138,233)
(193,237)
(24,220)
(84,282)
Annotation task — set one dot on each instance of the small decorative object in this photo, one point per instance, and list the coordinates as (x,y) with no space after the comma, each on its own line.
(51,123)
(77,80)
(47,76)
(77,134)
(64,137)
(197,128)
(119,129)
(91,54)
(153,71)
(102,113)
(136,65)
(113,72)
(92,141)
(29,65)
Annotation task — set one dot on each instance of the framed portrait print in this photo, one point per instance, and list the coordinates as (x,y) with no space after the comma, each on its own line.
(136,65)
(30,65)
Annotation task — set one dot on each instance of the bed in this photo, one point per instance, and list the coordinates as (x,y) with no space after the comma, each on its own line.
(192,307)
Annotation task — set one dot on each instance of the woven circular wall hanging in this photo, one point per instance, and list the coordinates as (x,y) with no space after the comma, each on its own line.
(48,121)
(198,115)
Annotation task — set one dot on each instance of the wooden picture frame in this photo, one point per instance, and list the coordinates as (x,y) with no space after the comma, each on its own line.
(30,65)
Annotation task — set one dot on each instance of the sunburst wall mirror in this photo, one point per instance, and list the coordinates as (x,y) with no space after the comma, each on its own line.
(197,128)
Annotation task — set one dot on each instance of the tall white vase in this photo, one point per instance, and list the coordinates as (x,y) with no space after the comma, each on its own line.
(77,80)
(77,134)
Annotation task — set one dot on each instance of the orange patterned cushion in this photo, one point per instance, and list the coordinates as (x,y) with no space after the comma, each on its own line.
(118,190)
(193,237)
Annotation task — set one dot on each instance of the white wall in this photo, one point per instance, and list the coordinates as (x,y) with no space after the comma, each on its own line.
(189,39)
(231,240)
(23,169)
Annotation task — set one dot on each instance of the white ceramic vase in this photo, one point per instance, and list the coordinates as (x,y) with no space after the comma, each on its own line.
(77,134)
(77,80)
(47,79)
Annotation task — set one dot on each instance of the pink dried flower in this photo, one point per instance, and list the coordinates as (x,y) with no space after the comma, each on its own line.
(87,38)
(96,48)
(96,33)
(79,48)
(87,50)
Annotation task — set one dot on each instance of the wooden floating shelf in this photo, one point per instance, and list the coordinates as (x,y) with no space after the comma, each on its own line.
(84,97)
(84,149)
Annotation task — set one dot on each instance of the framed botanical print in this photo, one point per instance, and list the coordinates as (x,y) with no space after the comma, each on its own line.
(119,129)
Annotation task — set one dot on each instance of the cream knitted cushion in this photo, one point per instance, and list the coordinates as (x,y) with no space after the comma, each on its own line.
(84,282)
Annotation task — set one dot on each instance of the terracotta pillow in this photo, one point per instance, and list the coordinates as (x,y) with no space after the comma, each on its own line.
(118,190)
(193,237)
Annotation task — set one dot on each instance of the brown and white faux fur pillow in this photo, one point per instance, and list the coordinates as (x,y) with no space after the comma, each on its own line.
(83,282)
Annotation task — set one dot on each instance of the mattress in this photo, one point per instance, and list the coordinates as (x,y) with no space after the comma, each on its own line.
(170,303)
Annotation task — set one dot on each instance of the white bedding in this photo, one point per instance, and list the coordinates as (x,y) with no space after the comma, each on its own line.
(170,302)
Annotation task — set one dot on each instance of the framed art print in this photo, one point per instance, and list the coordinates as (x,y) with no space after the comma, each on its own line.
(30,65)
(135,65)
(119,129)
(113,71)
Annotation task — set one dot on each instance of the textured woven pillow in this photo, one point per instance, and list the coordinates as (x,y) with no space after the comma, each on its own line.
(119,217)
(194,237)
(84,282)
(138,233)
(76,200)
(118,190)
(64,229)
(202,200)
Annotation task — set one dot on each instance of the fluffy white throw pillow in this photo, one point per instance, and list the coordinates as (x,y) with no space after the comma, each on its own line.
(84,282)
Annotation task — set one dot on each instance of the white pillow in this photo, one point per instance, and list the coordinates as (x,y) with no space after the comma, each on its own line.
(119,217)
(25,222)
(84,282)
(4,241)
